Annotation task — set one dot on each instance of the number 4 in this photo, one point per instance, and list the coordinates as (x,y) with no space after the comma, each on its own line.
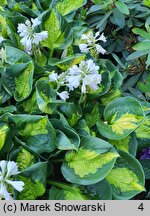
(141,207)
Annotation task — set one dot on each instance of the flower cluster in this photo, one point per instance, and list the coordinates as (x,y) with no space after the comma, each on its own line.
(90,43)
(7,170)
(29,36)
(85,75)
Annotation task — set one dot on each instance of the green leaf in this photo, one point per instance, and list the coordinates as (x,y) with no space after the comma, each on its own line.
(144,130)
(36,132)
(93,117)
(121,117)
(119,18)
(36,172)
(145,45)
(122,7)
(4,130)
(29,105)
(67,62)
(46,97)
(66,192)
(3,2)
(32,190)
(146,3)
(91,163)
(127,177)
(58,31)
(24,159)
(7,109)
(72,111)
(110,96)
(67,6)
(99,191)
(67,137)
(4,96)
(18,79)
(142,33)
(34,178)
(137,54)
(128,144)
(146,167)
(14,55)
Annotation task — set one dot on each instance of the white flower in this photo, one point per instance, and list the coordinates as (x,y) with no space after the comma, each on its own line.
(63,95)
(102,38)
(100,49)
(53,77)
(38,37)
(8,169)
(73,81)
(84,48)
(1,39)
(86,74)
(28,34)
(89,43)
(35,22)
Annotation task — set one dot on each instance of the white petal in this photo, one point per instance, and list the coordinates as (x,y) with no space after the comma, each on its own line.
(75,70)
(84,48)
(63,95)
(22,27)
(83,88)
(90,64)
(18,185)
(102,38)
(1,39)
(12,168)
(38,37)
(28,23)
(4,193)
(84,37)
(97,34)
(100,49)
(53,77)
(35,22)
(73,81)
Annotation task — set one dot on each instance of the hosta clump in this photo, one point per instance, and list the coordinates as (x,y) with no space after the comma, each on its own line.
(72,125)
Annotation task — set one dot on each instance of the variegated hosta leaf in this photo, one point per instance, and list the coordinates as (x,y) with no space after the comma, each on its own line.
(66,193)
(4,130)
(46,97)
(31,190)
(67,6)
(59,34)
(17,80)
(24,159)
(62,191)
(34,178)
(127,177)
(128,144)
(144,130)
(36,132)
(91,163)
(67,62)
(67,137)
(121,117)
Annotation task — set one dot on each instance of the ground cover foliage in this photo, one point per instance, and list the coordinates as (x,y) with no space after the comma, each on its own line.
(74,99)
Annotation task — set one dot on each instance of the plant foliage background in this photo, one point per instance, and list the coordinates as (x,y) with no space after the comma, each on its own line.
(74,114)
